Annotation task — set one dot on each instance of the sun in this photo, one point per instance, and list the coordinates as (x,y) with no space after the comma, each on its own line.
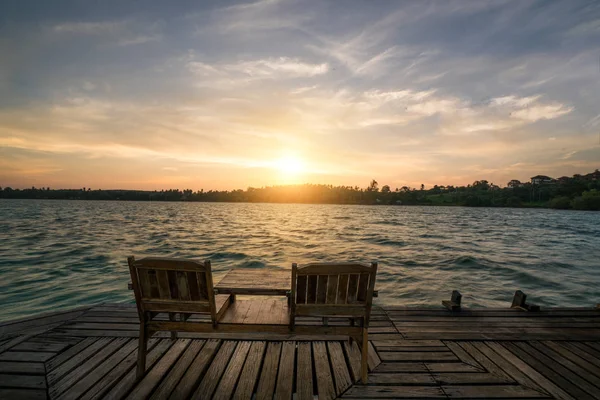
(289,165)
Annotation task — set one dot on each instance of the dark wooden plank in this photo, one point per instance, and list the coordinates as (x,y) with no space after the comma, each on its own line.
(342,289)
(112,373)
(128,381)
(26,356)
(352,287)
(394,392)
(481,359)
(301,289)
(363,285)
(268,376)
(83,369)
(215,371)
(325,385)
(322,289)
(167,385)
(196,370)
(152,378)
(69,353)
(576,356)
(304,382)
(428,356)
(249,375)
(469,378)
(22,381)
(401,379)
(332,285)
(15,367)
(110,364)
(232,373)
(509,364)
(285,373)
(491,391)
(40,346)
(549,364)
(76,360)
(311,291)
(354,359)
(22,394)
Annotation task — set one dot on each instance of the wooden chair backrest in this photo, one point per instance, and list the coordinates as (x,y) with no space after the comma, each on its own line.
(333,289)
(172,285)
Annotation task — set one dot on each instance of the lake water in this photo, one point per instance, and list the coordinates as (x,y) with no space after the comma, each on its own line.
(61,254)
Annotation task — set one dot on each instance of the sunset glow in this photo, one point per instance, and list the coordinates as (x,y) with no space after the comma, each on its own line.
(206,94)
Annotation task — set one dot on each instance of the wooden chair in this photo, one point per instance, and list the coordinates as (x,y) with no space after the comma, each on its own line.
(173,286)
(335,290)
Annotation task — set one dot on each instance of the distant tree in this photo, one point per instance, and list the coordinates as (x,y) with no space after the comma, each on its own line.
(373,186)
(422,187)
(385,189)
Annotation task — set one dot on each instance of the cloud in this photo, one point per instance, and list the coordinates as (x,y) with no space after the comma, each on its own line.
(281,66)
(140,40)
(530,109)
(90,28)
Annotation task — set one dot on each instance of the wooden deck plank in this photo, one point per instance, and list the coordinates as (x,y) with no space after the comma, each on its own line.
(188,382)
(92,377)
(112,370)
(22,381)
(427,356)
(167,385)
(268,375)
(249,375)
(26,356)
(394,392)
(153,377)
(493,391)
(232,373)
(83,369)
(482,359)
(575,355)
(77,359)
(325,385)
(341,375)
(354,356)
(285,374)
(304,373)
(127,382)
(559,374)
(15,367)
(22,394)
(60,358)
(215,371)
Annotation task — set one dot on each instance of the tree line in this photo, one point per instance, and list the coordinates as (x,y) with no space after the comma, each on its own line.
(574,193)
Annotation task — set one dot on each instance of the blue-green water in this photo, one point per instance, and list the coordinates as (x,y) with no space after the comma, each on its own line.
(61,254)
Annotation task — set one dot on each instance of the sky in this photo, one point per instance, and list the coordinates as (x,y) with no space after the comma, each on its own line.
(226,95)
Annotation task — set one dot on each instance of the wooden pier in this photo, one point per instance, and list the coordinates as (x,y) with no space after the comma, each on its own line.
(90,353)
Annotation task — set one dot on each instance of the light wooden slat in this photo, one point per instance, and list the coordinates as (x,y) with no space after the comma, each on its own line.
(232,373)
(285,374)
(354,358)
(164,289)
(332,285)
(215,371)
(249,375)
(339,367)
(196,370)
(352,287)
(268,376)
(323,371)
(304,382)
(183,286)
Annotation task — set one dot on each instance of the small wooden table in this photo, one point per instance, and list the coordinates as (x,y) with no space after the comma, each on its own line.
(257,282)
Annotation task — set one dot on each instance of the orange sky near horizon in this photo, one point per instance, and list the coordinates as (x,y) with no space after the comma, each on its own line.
(275,92)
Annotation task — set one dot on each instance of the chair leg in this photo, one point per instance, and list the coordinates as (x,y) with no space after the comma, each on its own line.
(292,323)
(364,367)
(142,347)
(172,318)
